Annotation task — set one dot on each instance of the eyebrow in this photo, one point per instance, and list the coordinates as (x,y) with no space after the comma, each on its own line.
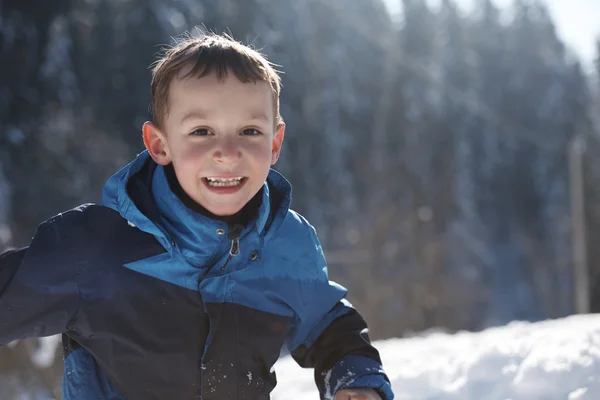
(259,116)
(198,114)
(202,115)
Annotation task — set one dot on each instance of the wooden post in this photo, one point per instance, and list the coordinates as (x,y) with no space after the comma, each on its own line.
(580,268)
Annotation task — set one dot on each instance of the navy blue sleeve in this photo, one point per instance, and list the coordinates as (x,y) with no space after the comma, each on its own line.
(39,294)
(329,335)
(343,357)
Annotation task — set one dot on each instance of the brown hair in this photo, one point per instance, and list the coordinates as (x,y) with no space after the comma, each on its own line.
(206,53)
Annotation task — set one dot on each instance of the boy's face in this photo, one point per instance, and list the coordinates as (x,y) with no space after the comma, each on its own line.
(221,138)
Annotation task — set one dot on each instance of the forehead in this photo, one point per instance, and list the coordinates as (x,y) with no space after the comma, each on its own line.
(214,96)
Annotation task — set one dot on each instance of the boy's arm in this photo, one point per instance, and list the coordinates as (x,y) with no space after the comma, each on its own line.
(342,355)
(329,335)
(39,294)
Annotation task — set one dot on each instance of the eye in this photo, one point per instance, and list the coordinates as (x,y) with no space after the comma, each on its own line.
(251,132)
(200,132)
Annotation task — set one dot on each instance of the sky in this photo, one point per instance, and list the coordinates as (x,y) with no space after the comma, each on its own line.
(578,22)
(550,360)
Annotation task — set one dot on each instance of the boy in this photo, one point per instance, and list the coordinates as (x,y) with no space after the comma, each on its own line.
(189,278)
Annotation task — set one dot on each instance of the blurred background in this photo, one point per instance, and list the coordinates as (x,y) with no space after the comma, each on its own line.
(446,151)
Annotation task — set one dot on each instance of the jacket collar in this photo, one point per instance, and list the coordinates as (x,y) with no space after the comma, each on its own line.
(141,194)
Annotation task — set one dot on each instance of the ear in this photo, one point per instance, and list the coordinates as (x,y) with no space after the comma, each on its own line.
(156,143)
(278,136)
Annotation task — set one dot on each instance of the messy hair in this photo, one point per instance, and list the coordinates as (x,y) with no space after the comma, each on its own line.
(205,53)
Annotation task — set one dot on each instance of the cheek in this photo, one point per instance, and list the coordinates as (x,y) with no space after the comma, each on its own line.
(189,153)
(186,175)
(188,161)
(259,152)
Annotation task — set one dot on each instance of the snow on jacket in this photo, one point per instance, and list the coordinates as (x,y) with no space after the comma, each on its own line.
(164,303)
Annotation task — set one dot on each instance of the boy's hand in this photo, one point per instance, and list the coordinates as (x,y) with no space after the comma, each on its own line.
(357,394)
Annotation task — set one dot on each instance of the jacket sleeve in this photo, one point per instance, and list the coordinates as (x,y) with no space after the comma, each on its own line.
(329,335)
(38,288)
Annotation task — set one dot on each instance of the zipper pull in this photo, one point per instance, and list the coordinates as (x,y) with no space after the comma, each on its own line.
(235,247)
(234,235)
(234,250)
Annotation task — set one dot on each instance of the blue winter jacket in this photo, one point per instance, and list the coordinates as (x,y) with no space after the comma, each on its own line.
(156,301)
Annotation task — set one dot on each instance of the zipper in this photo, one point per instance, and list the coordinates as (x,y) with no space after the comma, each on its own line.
(234,250)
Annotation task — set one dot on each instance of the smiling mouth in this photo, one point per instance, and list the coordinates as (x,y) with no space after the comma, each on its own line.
(224,182)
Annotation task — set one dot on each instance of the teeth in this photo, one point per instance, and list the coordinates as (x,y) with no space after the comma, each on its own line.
(224,182)
(239,178)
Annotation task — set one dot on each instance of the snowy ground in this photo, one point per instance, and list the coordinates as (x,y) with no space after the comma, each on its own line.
(552,360)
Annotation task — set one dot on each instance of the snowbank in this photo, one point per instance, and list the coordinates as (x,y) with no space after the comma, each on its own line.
(548,360)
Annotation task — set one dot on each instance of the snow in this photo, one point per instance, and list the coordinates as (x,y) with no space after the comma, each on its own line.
(557,359)
(43,356)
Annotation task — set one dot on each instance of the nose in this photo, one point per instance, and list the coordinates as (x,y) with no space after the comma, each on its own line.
(227,151)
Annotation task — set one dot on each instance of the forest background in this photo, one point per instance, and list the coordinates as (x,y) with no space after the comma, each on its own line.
(448,159)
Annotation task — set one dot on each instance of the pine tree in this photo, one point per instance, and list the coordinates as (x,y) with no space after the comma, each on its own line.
(525,91)
(460,226)
(557,106)
(5,206)
(24,38)
(592,191)
(597,77)
(394,190)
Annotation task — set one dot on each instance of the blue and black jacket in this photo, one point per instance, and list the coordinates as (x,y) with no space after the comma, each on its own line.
(156,301)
